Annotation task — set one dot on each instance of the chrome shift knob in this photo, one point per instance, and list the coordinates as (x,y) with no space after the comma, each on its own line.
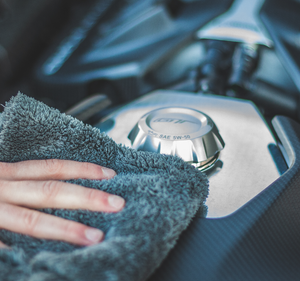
(185,132)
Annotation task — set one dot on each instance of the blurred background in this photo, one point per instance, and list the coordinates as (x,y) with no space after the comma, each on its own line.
(63,51)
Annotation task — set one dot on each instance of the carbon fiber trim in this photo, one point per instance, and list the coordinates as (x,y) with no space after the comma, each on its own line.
(260,241)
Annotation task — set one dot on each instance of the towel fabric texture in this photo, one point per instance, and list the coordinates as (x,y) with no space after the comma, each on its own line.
(162,195)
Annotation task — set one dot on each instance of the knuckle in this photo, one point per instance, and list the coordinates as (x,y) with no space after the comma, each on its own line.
(69,228)
(85,166)
(30,220)
(50,189)
(94,170)
(92,194)
(52,166)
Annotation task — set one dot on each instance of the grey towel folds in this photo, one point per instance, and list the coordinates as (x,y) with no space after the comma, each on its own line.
(162,195)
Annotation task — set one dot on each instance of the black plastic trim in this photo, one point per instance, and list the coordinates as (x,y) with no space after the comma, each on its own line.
(260,241)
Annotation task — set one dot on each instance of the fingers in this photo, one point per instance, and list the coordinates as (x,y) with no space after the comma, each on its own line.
(36,184)
(57,194)
(53,169)
(45,226)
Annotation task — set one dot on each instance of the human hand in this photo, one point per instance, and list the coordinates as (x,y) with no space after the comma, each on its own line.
(37,184)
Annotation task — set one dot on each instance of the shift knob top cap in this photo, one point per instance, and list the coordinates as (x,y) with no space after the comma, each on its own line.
(184,132)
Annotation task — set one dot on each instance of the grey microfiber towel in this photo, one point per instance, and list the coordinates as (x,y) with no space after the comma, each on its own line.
(162,195)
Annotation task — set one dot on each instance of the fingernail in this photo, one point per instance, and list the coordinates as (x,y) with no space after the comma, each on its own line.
(116,201)
(94,235)
(108,173)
